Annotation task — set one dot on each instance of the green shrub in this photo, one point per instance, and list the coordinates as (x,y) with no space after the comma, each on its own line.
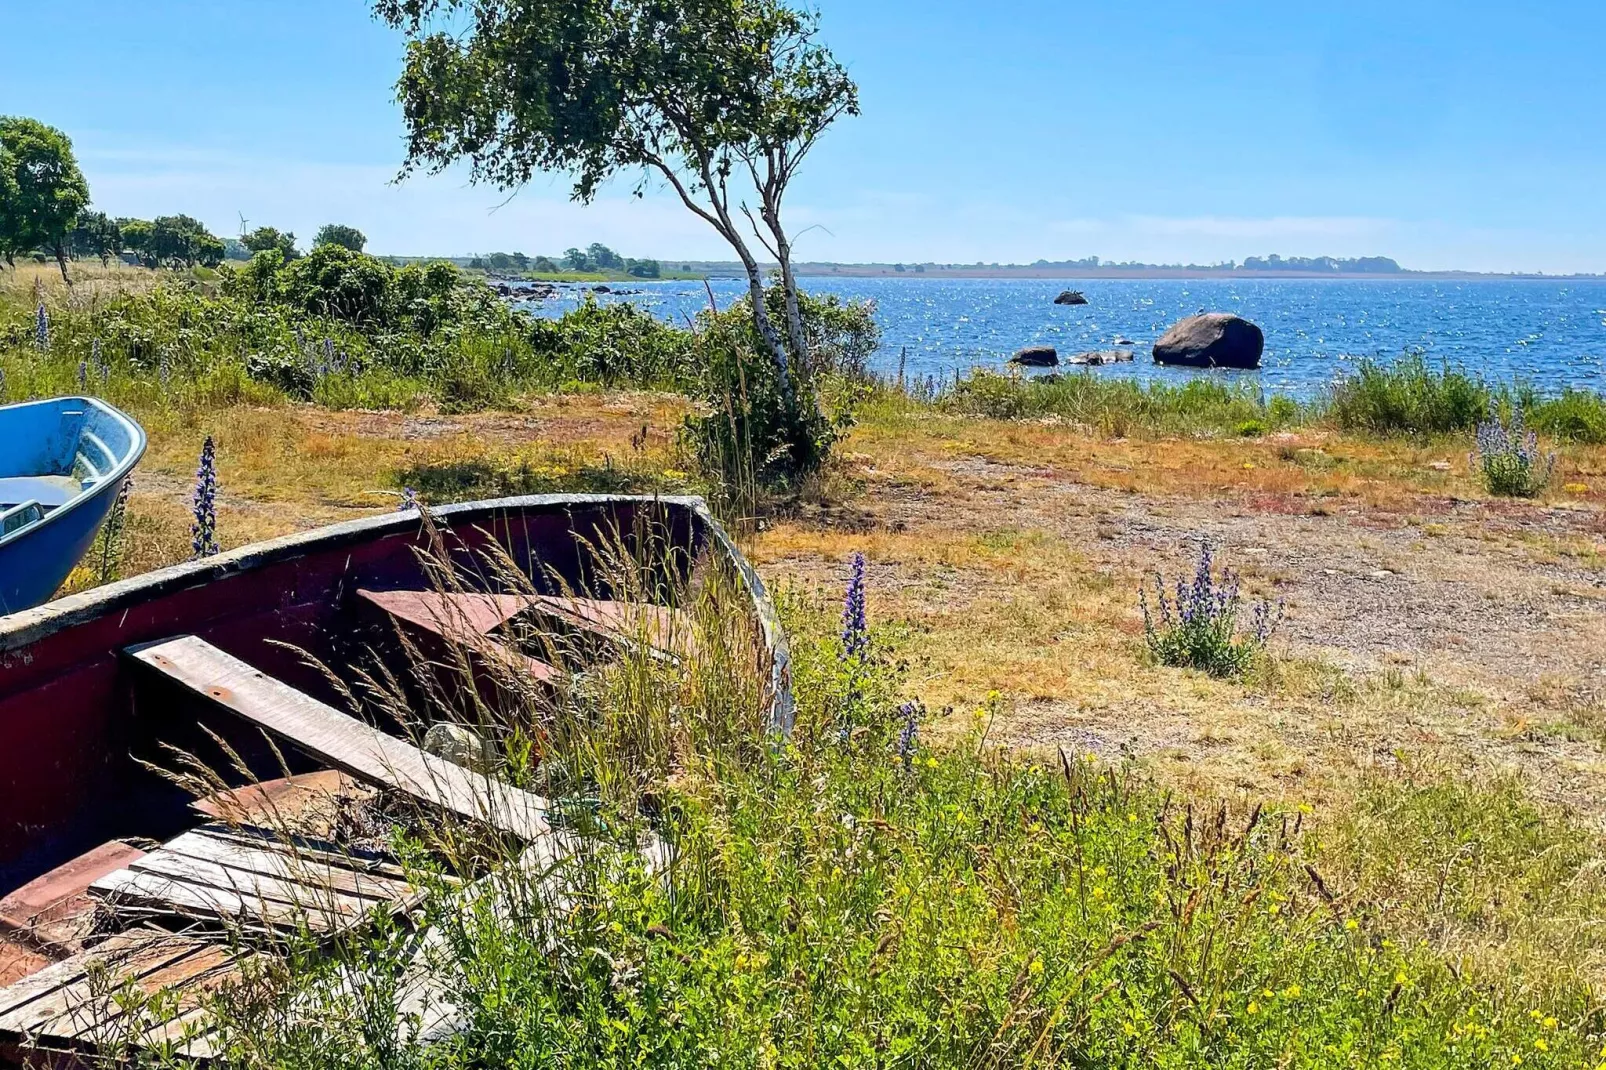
(1576,416)
(1409,397)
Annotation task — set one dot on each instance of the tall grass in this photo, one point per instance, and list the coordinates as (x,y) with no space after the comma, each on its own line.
(1124,406)
(850,897)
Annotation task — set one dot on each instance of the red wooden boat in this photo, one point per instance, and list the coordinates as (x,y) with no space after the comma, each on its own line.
(79,706)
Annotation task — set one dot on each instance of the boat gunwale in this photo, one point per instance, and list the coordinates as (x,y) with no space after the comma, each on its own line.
(104,484)
(25,627)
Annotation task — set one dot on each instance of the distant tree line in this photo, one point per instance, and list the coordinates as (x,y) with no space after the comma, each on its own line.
(595,257)
(45,212)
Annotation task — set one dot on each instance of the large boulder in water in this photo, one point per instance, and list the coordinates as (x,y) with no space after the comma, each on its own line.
(1212,340)
(1037,357)
(1071,297)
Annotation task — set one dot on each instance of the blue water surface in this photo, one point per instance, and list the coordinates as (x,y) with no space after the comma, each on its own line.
(1549,333)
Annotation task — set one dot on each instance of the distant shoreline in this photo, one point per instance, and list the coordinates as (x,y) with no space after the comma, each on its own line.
(1083,275)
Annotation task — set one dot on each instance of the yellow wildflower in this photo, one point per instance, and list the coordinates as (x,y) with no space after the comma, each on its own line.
(1254,1008)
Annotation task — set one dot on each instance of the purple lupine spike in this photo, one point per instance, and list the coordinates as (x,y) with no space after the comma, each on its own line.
(102,366)
(41,327)
(203,527)
(908,736)
(83,376)
(855,631)
(409,500)
(164,373)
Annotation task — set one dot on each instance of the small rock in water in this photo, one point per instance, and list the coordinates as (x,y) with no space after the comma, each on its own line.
(1037,357)
(1097,357)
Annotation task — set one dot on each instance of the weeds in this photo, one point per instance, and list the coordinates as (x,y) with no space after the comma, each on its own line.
(203,504)
(1198,628)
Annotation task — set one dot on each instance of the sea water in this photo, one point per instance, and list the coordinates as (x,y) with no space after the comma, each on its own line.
(1548,333)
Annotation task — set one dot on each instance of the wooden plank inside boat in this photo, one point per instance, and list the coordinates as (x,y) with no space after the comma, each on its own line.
(342,741)
(75,1004)
(208,875)
(468,613)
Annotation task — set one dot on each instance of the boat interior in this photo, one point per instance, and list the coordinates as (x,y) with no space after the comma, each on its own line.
(104,864)
(56,452)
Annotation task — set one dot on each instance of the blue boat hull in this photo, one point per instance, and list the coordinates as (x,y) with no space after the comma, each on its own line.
(79,441)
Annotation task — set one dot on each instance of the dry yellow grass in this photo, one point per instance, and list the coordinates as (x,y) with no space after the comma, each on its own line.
(1424,619)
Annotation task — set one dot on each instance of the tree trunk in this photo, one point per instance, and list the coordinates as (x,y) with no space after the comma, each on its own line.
(755,290)
(794,313)
(61,259)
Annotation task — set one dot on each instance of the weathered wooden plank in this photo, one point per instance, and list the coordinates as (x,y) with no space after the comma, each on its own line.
(127,891)
(309,870)
(301,848)
(201,873)
(70,982)
(342,741)
(98,1017)
(70,969)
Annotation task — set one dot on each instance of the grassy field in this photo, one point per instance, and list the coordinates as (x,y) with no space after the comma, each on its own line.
(1434,705)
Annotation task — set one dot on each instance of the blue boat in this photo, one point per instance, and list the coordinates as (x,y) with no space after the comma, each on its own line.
(62,463)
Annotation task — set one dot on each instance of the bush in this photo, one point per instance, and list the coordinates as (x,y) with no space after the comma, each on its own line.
(757,437)
(615,344)
(1199,628)
(1507,457)
(1408,397)
(1577,416)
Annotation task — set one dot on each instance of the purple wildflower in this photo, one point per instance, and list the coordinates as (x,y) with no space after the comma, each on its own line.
(41,327)
(103,367)
(409,500)
(1508,456)
(203,529)
(1198,625)
(855,631)
(164,373)
(83,376)
(908,736)
(2,384)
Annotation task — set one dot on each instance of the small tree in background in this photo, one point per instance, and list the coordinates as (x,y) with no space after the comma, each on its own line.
(137,235)
(43,190)
(262,239)
(182,239)
(341,235)
(95,234)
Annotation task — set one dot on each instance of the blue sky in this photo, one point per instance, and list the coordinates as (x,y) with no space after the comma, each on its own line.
(1449,135)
